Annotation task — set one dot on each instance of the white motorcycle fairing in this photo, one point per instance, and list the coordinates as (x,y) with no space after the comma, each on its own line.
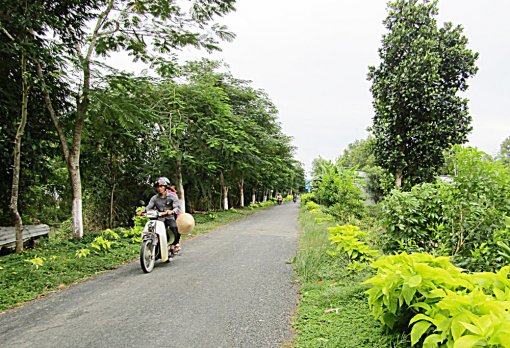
(160,229)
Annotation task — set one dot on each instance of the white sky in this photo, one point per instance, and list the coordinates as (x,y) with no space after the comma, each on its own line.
(312,58)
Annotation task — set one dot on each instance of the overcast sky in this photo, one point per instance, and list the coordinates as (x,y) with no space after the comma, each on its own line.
(312,58)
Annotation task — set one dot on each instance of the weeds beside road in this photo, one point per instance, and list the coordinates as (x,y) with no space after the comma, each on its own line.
(333,310)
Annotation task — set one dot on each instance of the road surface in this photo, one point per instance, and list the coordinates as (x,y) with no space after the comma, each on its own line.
(232,287)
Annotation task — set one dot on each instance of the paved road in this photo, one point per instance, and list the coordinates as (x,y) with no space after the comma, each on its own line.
(230,288)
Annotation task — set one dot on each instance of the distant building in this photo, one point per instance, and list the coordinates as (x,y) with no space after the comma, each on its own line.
(308,188)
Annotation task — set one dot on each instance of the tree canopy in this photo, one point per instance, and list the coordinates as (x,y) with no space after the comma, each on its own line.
(418,110)
(216,135)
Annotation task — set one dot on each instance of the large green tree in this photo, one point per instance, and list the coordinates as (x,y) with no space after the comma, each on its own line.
(418,112)
(141,28)
(23,30)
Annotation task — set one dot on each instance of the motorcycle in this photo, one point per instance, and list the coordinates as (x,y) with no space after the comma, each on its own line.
(156,243)
(294,199)
(280,200)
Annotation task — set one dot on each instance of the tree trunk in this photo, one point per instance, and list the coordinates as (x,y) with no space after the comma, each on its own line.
(224,191)
(180,186)
(111,204)
(72,157)
(241,192)
(77,213)
(253,197)
(264,197)
(18,222)
(398,177)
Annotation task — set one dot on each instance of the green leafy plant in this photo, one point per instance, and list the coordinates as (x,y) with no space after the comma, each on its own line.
(442,304)
(84,252)
(36,261)
(100,243)
(136,240)
(346,238)
(411,219)
(307,197)
(110,234)
(312,205)
(405,283)
(139,221)
(479,317)
(504,251)
(322,220)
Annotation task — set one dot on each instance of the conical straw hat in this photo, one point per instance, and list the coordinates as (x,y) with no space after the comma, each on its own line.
(185,223)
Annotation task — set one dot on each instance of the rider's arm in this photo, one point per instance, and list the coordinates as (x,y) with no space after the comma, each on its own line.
(176,205)
(151,205)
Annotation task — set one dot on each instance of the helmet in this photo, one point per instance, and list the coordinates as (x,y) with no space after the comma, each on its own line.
(162,181)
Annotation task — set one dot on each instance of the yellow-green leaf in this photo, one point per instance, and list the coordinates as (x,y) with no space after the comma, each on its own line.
(431,341)
(467,341)
(414,281)
(418,330)
(474,329)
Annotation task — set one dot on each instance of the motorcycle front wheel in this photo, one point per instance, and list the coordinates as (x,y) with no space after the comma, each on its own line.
(147,256)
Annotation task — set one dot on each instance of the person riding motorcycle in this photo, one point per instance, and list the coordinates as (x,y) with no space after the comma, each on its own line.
(169,207)
(294,197)
(279,198)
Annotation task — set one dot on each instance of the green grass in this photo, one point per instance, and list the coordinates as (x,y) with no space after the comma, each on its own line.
(333,309)
(21,280)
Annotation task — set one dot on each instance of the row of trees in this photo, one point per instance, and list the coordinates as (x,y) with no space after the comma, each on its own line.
(116,131)
(214,135)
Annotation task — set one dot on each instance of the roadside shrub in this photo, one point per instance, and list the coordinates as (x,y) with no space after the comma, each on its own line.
(379,182)
(475,206)
(340,192)
(412,219)
(350,240)
(311,205)
(307,197)
(403,281)
(464,217)
(439,302)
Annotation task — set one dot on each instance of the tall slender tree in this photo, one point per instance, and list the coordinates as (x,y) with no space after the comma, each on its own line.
(418,112)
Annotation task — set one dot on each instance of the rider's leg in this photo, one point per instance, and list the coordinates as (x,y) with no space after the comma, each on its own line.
(173,228)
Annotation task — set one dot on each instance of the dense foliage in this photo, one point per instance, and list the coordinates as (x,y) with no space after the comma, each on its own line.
(338,188)
(418,112)
(442,304)
(360,155)
(463,218)
(217,137)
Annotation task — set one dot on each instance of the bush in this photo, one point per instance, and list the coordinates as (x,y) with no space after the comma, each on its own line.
(307,197)
(412,219)
(312,205)
(442,304)
(350,240)
(464,218)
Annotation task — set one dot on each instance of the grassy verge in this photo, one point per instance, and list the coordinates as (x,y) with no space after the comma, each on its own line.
(333,309)
(59,261)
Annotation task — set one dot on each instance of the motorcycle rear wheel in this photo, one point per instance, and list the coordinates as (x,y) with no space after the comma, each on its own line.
(147,256)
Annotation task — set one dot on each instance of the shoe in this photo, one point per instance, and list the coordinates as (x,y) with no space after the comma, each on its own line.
(177,248)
